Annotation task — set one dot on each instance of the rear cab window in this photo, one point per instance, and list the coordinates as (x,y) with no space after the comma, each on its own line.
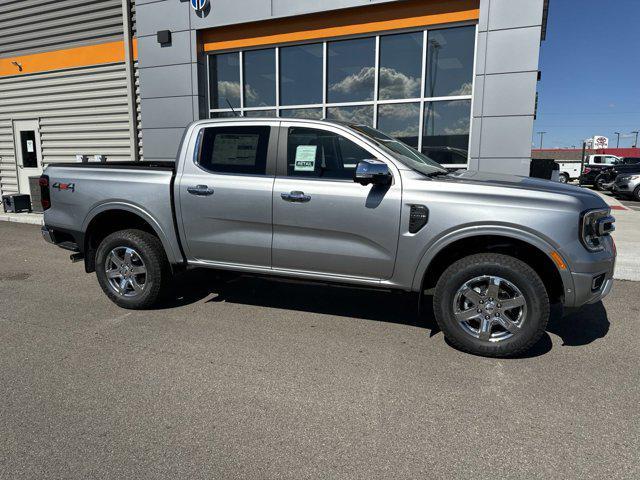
(234,149)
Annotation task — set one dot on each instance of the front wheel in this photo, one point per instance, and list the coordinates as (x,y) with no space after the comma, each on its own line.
(132,268)
(492,305)
(599,182)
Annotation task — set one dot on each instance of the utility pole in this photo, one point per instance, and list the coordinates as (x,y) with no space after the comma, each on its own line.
(635,145)
(618,142)
(584,151)
(541,138)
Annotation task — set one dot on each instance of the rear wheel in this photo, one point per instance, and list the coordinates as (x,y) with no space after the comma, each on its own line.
(492,305)
(132,268)
(564,178)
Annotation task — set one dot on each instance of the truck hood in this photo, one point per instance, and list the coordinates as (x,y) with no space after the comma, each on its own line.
(588,198)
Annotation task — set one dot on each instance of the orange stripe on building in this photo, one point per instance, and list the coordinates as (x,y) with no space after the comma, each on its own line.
(112,52)
(352,21)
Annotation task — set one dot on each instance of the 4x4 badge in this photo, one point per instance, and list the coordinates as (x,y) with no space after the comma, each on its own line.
(64,186)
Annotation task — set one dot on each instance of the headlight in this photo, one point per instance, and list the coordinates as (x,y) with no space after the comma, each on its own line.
(594,225)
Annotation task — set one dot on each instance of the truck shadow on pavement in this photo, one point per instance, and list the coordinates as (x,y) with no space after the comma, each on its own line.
(575,329)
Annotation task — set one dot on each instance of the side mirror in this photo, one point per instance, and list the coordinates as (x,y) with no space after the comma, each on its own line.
(372,172)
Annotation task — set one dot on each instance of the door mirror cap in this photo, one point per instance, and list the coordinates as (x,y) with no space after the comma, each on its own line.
(373,172)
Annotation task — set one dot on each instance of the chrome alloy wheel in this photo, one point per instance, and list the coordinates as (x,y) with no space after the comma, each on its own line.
(125,271)
(490,308)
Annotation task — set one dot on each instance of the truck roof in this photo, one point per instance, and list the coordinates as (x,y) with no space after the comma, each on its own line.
(274,119)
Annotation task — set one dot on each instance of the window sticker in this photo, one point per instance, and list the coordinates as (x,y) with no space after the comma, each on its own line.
(305,158)
(30,148)
(235,149)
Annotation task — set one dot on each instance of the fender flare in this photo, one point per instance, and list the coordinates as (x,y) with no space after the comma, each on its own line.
(531,238)
(136,210)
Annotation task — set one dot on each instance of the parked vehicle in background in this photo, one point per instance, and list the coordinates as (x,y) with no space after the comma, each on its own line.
(595,166)
(627,185)
(345,203)
(607,176)
(597,174)
(571,170)
(568,171)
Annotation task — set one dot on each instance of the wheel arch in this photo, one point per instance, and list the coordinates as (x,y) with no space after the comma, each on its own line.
(108,218)
(530,248)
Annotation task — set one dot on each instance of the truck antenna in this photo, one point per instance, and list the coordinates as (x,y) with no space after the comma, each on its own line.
(229,103)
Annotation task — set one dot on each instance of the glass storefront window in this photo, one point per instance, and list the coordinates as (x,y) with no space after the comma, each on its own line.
(445,135)
(228,114)
(350,70)
(337,80)
(449,70)
(260,113)
(400,66)
(362,114)
(401,121)
(301,74)
(259,78)
(224,80)
(308,113)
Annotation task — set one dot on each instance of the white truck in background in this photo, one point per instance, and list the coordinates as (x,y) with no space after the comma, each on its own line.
(570,170)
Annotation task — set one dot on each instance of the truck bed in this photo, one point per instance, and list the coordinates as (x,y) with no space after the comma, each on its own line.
(81,192)
(167,165)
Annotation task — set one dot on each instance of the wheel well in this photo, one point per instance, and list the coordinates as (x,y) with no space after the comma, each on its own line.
(524,251)
(105,224)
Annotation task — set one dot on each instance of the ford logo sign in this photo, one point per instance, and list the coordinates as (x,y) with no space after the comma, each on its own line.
(199,5)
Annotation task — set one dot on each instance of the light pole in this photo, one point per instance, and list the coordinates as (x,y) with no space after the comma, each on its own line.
(635,145)
(541,138)
(618,141)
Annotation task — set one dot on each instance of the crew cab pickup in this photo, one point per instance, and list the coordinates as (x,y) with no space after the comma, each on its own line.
(337,202)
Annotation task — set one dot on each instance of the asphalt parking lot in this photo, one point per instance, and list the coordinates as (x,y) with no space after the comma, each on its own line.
(257,379)
(629,203)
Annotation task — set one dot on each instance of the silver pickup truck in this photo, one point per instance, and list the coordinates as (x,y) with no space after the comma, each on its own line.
(337,202)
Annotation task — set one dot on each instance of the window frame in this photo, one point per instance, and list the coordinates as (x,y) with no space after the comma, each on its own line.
(376,102)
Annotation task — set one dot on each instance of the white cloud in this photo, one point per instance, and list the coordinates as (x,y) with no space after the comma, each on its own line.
(394,84)
(228,89)
(364,79)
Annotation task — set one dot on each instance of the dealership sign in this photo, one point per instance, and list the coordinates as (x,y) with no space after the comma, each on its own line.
(199,5)
(600,142)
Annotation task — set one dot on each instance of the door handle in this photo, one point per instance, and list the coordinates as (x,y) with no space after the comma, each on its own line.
(200,190)
(297,197)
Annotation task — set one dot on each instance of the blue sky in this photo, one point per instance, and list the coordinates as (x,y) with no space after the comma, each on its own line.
(590,66)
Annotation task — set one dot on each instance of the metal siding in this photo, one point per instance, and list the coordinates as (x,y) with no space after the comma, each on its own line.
(31,26)
(81,111)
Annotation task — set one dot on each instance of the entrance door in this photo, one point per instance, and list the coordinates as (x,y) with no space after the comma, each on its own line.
(26,135)
(324,222)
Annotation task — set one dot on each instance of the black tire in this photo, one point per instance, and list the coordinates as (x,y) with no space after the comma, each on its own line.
(510,269)
(636,193)
(151,252)
(564,178)
(598,183)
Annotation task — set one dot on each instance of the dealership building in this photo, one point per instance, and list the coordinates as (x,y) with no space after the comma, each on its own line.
(117,78)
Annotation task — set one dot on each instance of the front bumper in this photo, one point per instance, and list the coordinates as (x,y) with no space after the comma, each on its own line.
(584,291)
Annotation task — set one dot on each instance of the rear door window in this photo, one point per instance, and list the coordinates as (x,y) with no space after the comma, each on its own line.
(234,150)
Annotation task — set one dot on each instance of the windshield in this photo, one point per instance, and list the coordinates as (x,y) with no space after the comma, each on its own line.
(401,151)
